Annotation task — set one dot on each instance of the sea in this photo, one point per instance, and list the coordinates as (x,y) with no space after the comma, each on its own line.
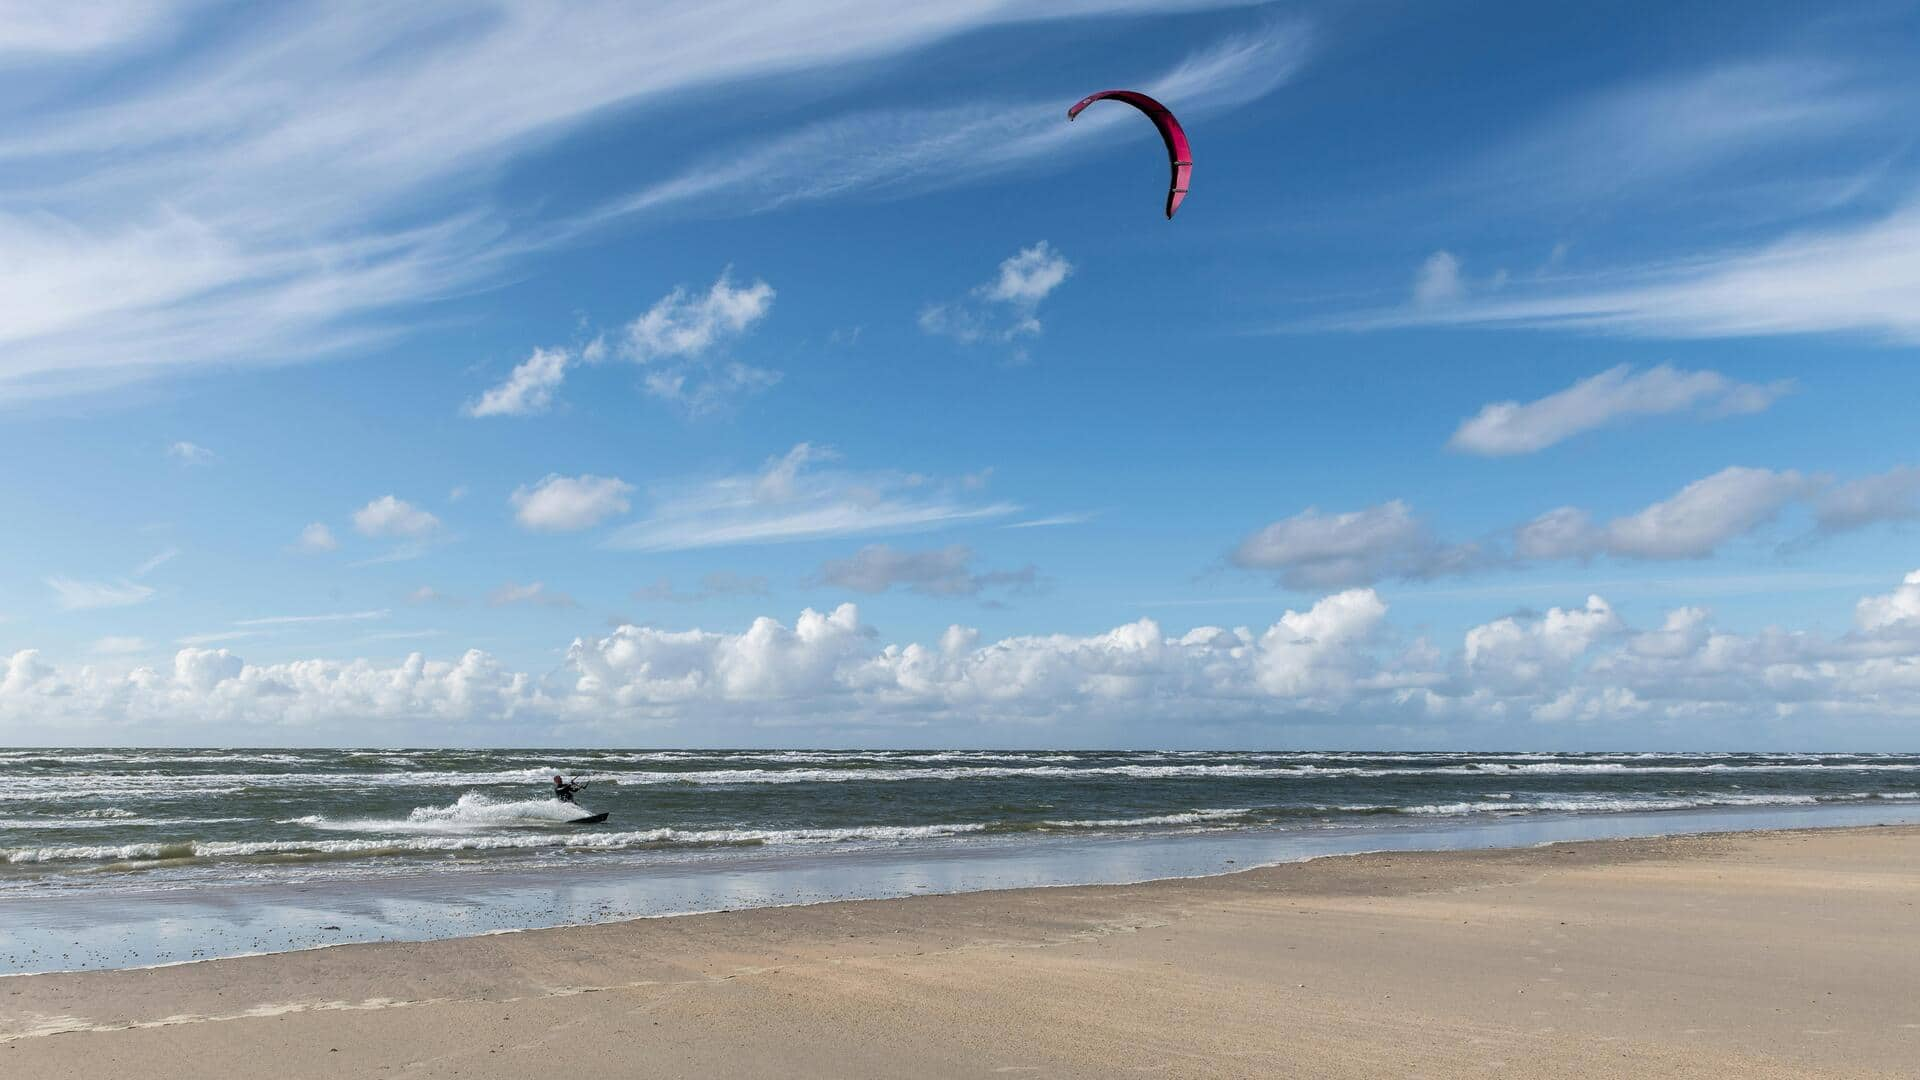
(120,857)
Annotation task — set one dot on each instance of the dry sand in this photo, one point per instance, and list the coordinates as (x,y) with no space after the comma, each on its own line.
(1753,955)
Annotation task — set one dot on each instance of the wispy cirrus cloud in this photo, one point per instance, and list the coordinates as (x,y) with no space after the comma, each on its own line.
(791,499)
(1644,135)
(329,617)
(77,595)
(906,151)
(247,220)
(1858,279)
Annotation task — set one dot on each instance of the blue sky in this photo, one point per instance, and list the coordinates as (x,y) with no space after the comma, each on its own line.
(527,373)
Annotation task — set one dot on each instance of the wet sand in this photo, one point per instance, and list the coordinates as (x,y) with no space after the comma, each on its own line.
(1787,954)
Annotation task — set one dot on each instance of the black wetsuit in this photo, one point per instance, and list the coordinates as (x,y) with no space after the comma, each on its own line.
(565,792)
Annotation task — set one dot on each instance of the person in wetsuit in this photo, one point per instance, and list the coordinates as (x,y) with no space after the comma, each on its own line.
(563,790)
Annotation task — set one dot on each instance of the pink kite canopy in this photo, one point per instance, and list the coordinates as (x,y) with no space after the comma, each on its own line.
(1179,154)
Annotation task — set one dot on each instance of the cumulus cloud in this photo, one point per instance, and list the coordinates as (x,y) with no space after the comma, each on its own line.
(1613,396)
(76,595)
(388,516)
(685,325)
(1316,550)
(528,389)
(1693,523)
(681,336)
(1897,610)
(1537,677)
(316,539)
(570,503)
(1890,496)
(1438,281)
(1008,307)
(791,498)
(946,571)
(1705,514)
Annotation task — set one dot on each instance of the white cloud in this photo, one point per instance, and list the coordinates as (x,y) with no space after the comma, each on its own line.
(788,500)
(1693,523)
(1898,610)
(190,453)
(1006,308)
(72,29)
(528,389)
(1614,395)
(247,220)
(535,594)
(1542,679)
(1890,496)
(1705,514)
(88,595)
(684,325)
(1028,276)
(1853,279)
(679,337)
(705,390)
(1438,281)
(944,571)
(1515,653)
(1315,550)
(1564,533)
(159,559)
(1053,521)
(904,151)
(387,516)
(330,617)
(715,584)
(570,503)
(1645,136)
(118,646)
(217,637)
(316,539)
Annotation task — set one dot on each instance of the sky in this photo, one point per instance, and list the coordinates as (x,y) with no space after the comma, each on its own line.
(732,374)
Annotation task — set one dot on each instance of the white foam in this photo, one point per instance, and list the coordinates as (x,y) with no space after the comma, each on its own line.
(589,841)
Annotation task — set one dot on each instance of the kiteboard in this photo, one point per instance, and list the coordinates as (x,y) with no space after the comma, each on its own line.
(588,819)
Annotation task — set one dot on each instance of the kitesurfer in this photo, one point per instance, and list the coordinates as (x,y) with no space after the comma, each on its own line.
(563,790)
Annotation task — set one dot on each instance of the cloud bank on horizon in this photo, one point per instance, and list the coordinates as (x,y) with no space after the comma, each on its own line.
(356,361)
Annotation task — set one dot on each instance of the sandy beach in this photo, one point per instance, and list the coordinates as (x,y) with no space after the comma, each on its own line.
(1786,954)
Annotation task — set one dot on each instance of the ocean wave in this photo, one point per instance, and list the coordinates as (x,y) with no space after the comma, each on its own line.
(931,767)
(470,811)
(1629,803)
(430,845)
(1190,817)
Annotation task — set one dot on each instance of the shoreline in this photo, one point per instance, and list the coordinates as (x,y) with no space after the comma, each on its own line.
(1624,945)
(144,930)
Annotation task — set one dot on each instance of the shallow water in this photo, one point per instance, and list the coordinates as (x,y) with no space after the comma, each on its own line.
(133,927)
